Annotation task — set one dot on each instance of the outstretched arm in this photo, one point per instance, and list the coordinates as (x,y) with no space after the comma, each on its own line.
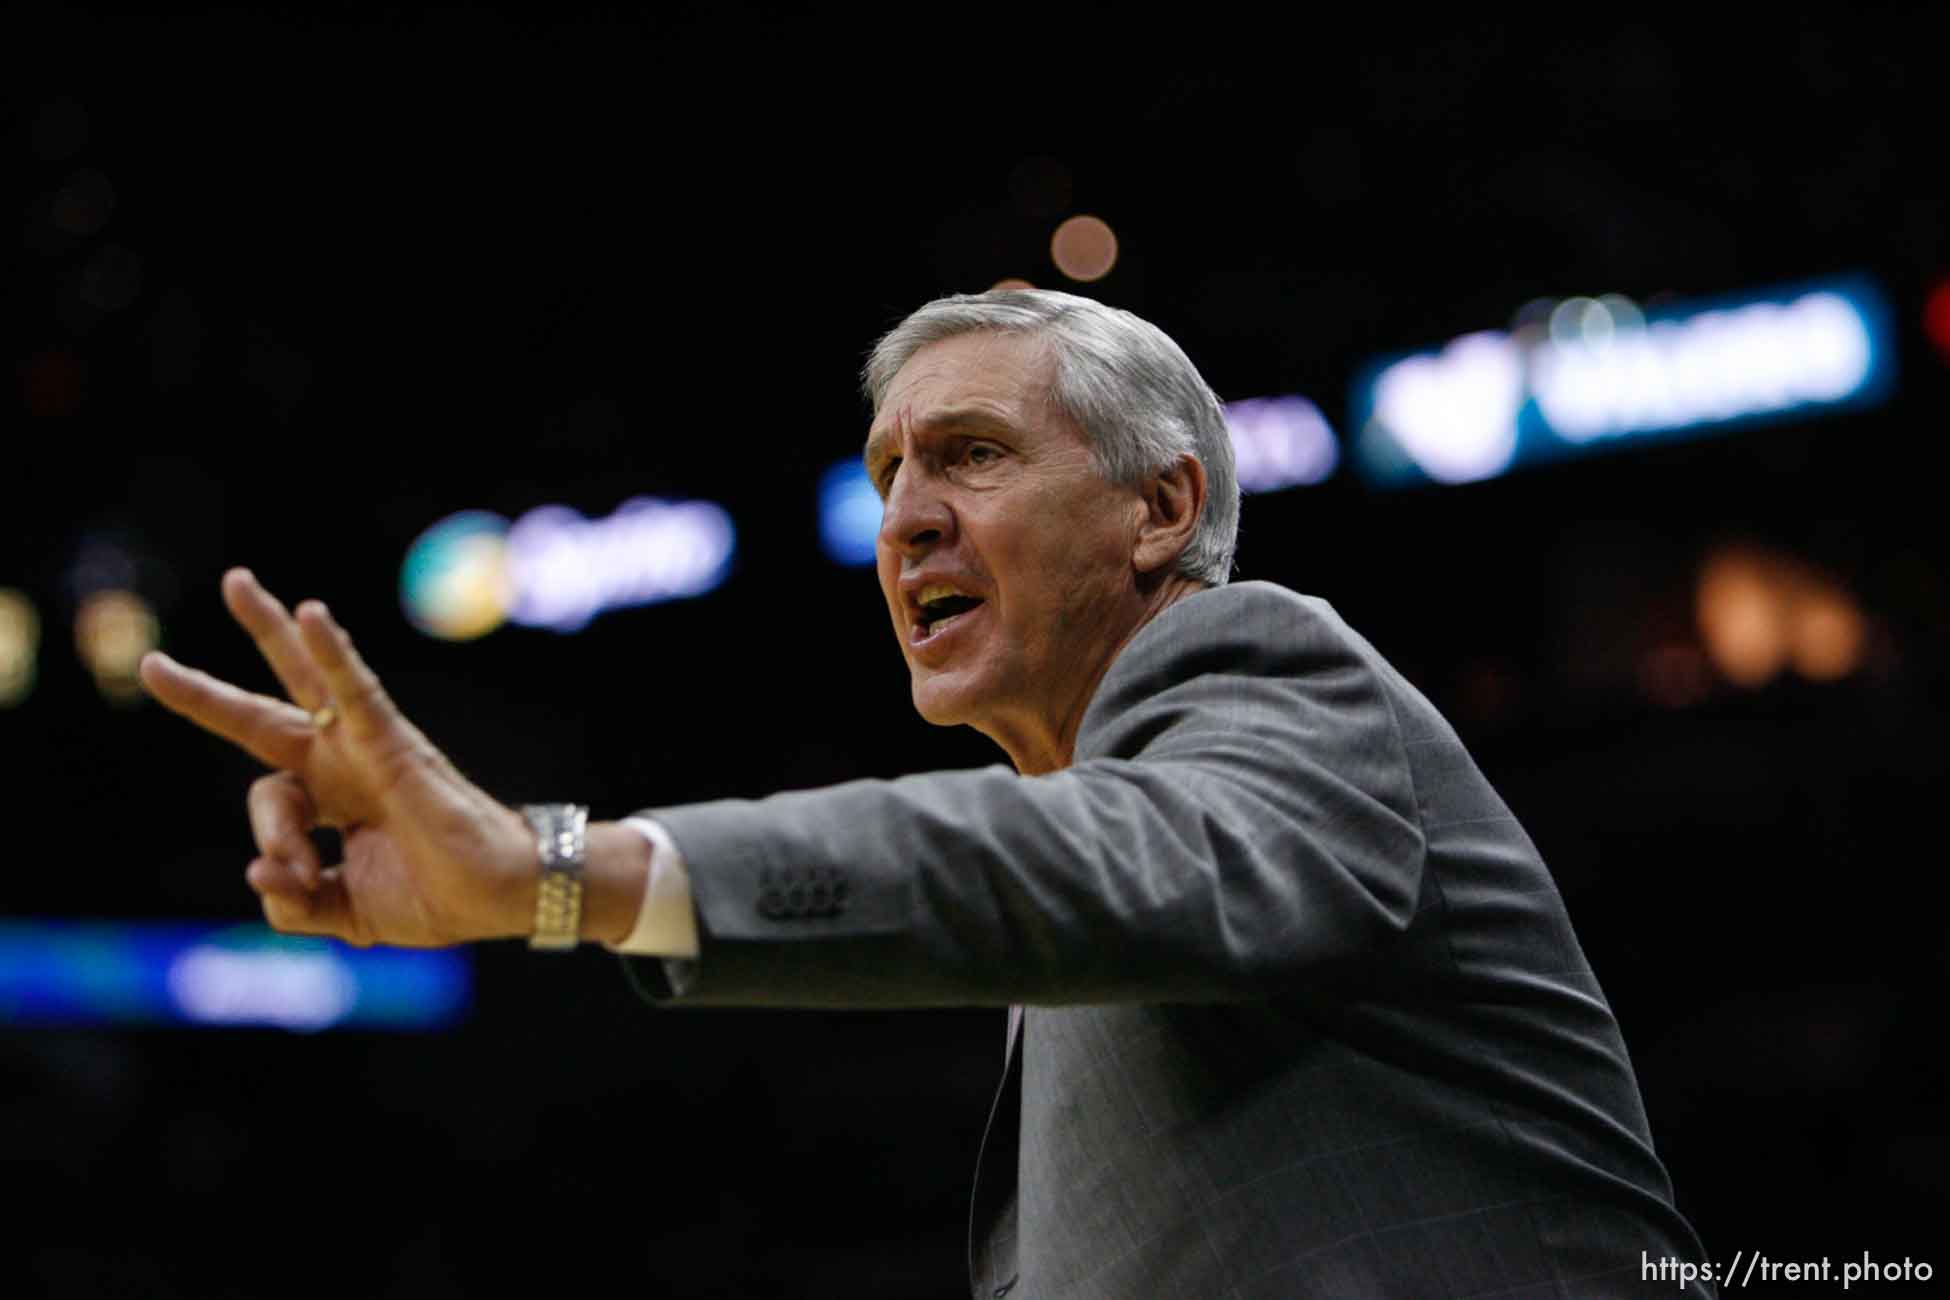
(430,858)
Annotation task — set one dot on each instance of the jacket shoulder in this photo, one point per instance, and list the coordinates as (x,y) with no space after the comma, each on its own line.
(1252,628)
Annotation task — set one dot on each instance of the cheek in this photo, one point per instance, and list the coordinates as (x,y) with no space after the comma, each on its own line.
(890,595)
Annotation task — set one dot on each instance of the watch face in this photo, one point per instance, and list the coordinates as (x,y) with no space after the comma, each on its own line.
(561,829)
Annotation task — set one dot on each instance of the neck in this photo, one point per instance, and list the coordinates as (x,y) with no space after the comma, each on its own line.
(1050,745)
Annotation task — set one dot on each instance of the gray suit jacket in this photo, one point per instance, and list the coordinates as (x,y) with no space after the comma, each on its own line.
(1306,1015)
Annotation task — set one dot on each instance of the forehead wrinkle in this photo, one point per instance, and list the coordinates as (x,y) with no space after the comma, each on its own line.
(878,437)
(958,419)
(989,397)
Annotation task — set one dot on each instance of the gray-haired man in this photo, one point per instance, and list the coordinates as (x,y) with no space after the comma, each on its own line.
(1305,1013)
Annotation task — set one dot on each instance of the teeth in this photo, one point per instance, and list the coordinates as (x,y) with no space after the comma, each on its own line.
(935,591)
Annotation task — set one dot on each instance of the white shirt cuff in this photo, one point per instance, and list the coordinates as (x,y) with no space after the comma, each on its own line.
(666,923)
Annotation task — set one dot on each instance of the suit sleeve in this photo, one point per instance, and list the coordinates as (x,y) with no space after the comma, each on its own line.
(1241,815)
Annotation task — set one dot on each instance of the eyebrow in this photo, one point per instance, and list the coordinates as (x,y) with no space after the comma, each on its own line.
(962,419)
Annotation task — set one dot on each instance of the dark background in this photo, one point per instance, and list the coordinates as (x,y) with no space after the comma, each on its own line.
(352,268)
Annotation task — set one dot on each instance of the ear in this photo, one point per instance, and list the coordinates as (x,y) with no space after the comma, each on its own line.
(1174,498)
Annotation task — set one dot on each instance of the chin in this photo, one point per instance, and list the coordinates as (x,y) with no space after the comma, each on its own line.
(945,704)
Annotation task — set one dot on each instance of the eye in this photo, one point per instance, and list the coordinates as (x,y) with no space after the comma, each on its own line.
(981,453)
(885,478)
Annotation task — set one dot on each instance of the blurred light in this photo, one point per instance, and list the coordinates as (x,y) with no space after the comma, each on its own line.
(83,203)
(454,584)
(1084,248)
(567,569)
(1011,282)
(1760,613)
(1280,442)
(553,568)
(1603,369)
(102,562)
(292,990)
(1936,318)
(20,643)
(1717,365)
(113,630)
(90,973)
(1578,320)
(1828,635)
(849,513)
(1534,314)
(1625,314)
(111,279)
(1742,617)
(1453,413)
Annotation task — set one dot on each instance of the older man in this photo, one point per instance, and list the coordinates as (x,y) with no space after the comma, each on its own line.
(1305,1013)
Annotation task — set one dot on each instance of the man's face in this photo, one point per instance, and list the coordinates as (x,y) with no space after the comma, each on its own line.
(1005,557)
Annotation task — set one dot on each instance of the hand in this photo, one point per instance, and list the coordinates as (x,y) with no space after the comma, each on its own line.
(430,859)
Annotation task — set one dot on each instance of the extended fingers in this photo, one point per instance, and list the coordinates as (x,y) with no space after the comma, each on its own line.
(262,615)
(272,731)
(369,715)
(281,816)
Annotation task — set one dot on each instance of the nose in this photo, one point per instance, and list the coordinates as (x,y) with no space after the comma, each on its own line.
(915,519)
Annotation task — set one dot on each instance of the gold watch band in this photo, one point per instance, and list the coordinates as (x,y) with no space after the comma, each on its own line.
(562,839)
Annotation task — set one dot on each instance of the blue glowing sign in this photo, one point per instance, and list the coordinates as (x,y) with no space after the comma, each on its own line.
(1604,374)
(241,976)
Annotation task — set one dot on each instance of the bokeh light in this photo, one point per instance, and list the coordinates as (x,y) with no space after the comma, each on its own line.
(1936,317)
(1280,442)
(1453,414)
(1828,635)
(849,513)
(1761,613)
(473,571)
(112,631)
(454,584)
(1741,617)
(1084,248)
(20,646)
(566,569)
(1011,282)
(82,205)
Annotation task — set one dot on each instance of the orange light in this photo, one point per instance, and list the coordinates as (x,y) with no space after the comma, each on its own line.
(1084,249)
(1742,618)
(1011,282)
(1828,635)
(1760,613)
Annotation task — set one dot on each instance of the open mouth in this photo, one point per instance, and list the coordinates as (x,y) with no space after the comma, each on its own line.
(941,613)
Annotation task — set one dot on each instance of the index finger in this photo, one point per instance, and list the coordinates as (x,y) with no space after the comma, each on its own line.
(271,731)
(262,615)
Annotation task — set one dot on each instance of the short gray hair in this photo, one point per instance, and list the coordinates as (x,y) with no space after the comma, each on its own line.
(1133,392)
